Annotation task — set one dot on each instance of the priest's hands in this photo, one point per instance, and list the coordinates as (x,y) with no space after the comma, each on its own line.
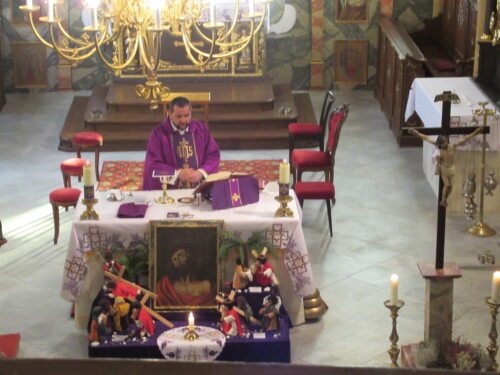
(190,175)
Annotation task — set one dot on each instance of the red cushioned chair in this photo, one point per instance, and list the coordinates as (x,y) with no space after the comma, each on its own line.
(312,160)
(311,131)
(64,197)
(89,140)
(72,167)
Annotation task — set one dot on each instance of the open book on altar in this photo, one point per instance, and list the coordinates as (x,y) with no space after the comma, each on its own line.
(230,189)
(214,177)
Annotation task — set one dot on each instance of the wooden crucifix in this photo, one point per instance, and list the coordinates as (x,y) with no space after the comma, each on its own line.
(446,166)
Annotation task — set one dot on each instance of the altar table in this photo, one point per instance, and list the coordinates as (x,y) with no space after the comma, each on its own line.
(83,275)
(421,100)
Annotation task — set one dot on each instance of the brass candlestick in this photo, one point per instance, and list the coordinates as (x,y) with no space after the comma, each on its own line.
(393,338)
(191,335)
(493,347)
(283,210)
(481,229)
(89,213)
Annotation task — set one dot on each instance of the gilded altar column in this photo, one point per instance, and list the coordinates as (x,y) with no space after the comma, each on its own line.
(317,62)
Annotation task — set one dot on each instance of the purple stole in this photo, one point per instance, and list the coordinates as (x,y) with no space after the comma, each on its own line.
(185,154)
(234,190)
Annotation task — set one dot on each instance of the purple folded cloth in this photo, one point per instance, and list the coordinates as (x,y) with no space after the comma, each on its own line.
(235,192)
(132,210)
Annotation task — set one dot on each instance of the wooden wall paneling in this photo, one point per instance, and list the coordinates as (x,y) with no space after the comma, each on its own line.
(395,119)
(460,41)
(379,83)
(389,80)
(472,31)
(448,22)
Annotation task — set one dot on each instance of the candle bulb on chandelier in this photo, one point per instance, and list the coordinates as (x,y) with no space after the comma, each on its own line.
(29,4)
(93,12)
(251,10)
(50,9)
(212,12)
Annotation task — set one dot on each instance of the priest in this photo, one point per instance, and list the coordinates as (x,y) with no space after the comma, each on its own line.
(180,144)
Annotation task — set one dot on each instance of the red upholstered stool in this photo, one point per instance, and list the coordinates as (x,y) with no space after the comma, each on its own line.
(64,197)
(72,167)
(89,140)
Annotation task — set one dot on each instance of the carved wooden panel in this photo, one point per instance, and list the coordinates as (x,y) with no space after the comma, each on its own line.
(461,28)
(448,22)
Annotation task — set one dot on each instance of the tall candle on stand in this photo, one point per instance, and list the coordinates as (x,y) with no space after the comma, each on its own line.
(284,176)
(394,289)
(495,286)
(191,322)
(88,181)
(93,12)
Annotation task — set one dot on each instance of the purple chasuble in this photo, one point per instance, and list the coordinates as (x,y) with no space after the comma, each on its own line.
(185,152)
(161,152)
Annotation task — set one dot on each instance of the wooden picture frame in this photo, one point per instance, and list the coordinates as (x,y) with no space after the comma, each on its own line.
(351,11)
(184,267)
(30,65)
(351,61)
(19,18)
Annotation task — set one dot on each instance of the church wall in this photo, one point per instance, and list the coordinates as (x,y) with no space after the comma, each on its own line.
(288,54)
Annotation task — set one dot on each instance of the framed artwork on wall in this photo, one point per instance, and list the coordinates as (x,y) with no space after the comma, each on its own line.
(30,65)
(351,11)
(184,269)
(351,61)
(19,18)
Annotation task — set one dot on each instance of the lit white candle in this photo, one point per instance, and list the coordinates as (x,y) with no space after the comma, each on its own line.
(50,8)
(284,176)
(88,179)
(191,321)
(495,285)
(251,10)
(29,4)
(394,289)
(212,12)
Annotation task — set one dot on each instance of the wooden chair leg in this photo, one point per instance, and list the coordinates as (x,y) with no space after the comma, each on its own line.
(301,202)
(55,214)
(78,152)
(97,151)
(329,212)
(291,146)
(299,175)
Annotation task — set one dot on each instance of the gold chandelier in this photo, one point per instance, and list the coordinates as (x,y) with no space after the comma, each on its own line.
(140,24)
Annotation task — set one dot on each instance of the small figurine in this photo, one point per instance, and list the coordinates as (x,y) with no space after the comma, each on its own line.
(270,314)
(230,320)
(111,266)
(274,292)
(242,275)
(263,271)
(94,325)
(115,289)
(142,319)
(121,318)
(243,306)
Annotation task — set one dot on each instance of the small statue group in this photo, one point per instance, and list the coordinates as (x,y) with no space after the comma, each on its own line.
(237,318)
(261,273)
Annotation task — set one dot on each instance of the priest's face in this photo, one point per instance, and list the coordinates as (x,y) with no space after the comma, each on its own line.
(180,116)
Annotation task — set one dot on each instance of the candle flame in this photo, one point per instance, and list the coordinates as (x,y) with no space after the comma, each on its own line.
(191,318)
(395,277)
(496,274)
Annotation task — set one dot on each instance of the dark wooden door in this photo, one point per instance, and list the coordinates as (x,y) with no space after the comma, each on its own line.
(448,22)
(379,85)
(461,28)
(389,80)
(471,37)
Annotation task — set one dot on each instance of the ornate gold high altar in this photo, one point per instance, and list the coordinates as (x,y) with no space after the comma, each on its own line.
(130,34)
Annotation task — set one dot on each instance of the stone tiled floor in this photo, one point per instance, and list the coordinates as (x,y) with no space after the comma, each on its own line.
(384,223)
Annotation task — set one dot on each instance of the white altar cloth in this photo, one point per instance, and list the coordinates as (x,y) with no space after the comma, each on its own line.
(207,347)
(83,275)
(421,100)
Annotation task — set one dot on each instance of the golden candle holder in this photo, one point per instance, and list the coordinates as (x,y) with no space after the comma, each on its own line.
(165,198)
(191,335)
(393,338)
(481,229)
(493,347)
(283,210)
(89,213)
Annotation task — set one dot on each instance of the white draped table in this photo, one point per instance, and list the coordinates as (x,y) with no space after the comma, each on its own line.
(421,100)
(83,275)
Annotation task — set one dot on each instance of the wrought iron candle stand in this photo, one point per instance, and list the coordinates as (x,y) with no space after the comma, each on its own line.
(283,198)
(493,347)
(393,338)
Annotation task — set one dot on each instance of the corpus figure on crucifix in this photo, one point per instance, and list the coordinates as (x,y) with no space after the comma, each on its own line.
(446,159)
